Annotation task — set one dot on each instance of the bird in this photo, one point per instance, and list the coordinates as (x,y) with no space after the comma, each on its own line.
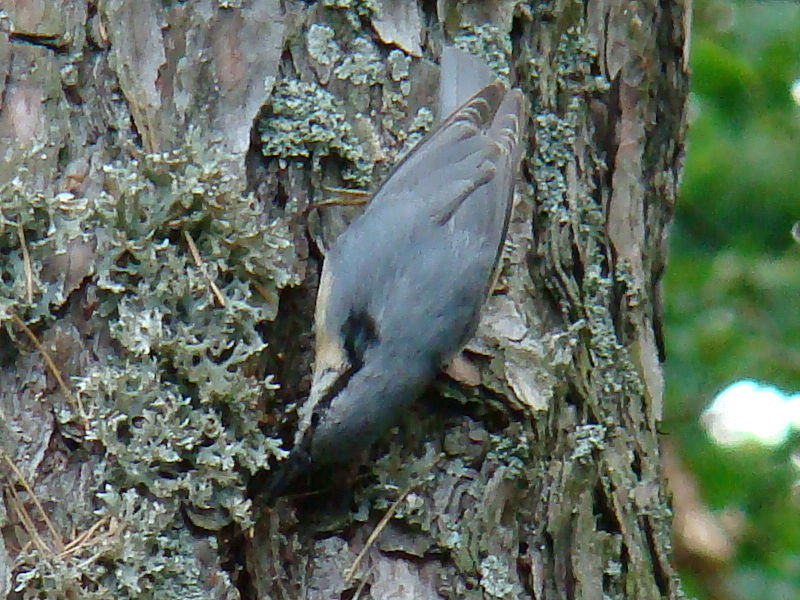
(402,287)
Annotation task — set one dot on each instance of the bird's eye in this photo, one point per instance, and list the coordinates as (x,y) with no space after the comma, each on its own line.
(359,332)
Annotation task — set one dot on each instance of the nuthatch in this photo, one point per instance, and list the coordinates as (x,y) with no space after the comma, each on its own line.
(402,288)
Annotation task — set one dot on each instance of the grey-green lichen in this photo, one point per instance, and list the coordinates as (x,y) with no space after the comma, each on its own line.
(419,126)
(353,11)
(554,151)
(50,227)
(462,493)
(363,65)
(614,372)
(494,578)
(141,550)
(578,209)
(511,449)
(399,63)
(554,139)
(168,394)
(624,274)
(489,42)
(587,439)
(363,8)
(321,44)
(305,121)
(394,99)
(574,57)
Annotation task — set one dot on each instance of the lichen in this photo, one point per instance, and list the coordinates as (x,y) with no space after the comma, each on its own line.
(494,578)
(459,497)
(578,209)
(489,42)
(614,371)
(512,450)
(173,410)
(363,65)
(141,551)
(305,121)
(399,64)
(554,139)
(321,44)
(419,126)
(574,57)
(394,99)
(587,439)
(364,8)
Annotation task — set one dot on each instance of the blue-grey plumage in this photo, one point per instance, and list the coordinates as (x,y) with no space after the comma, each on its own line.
(402,288)
(463,76)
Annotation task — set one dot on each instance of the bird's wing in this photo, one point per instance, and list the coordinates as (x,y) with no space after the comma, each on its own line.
(508,132)
(460,176)
(449,162)
(490,187)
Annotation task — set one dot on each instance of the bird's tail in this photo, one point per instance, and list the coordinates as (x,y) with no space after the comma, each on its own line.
(462,76)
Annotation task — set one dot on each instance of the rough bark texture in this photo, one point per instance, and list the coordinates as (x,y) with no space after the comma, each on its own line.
(157,165)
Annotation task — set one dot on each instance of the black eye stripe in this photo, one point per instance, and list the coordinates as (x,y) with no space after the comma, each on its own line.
(359,333)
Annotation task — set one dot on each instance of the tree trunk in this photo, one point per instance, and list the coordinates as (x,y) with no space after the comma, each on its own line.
(160,254)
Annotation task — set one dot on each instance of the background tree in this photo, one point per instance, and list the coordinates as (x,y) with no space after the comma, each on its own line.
(160,262)
(731,299)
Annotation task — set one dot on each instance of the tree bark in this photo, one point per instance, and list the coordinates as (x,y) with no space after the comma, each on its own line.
(161,244)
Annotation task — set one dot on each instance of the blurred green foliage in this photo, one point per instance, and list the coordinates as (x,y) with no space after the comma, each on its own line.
(733,282)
